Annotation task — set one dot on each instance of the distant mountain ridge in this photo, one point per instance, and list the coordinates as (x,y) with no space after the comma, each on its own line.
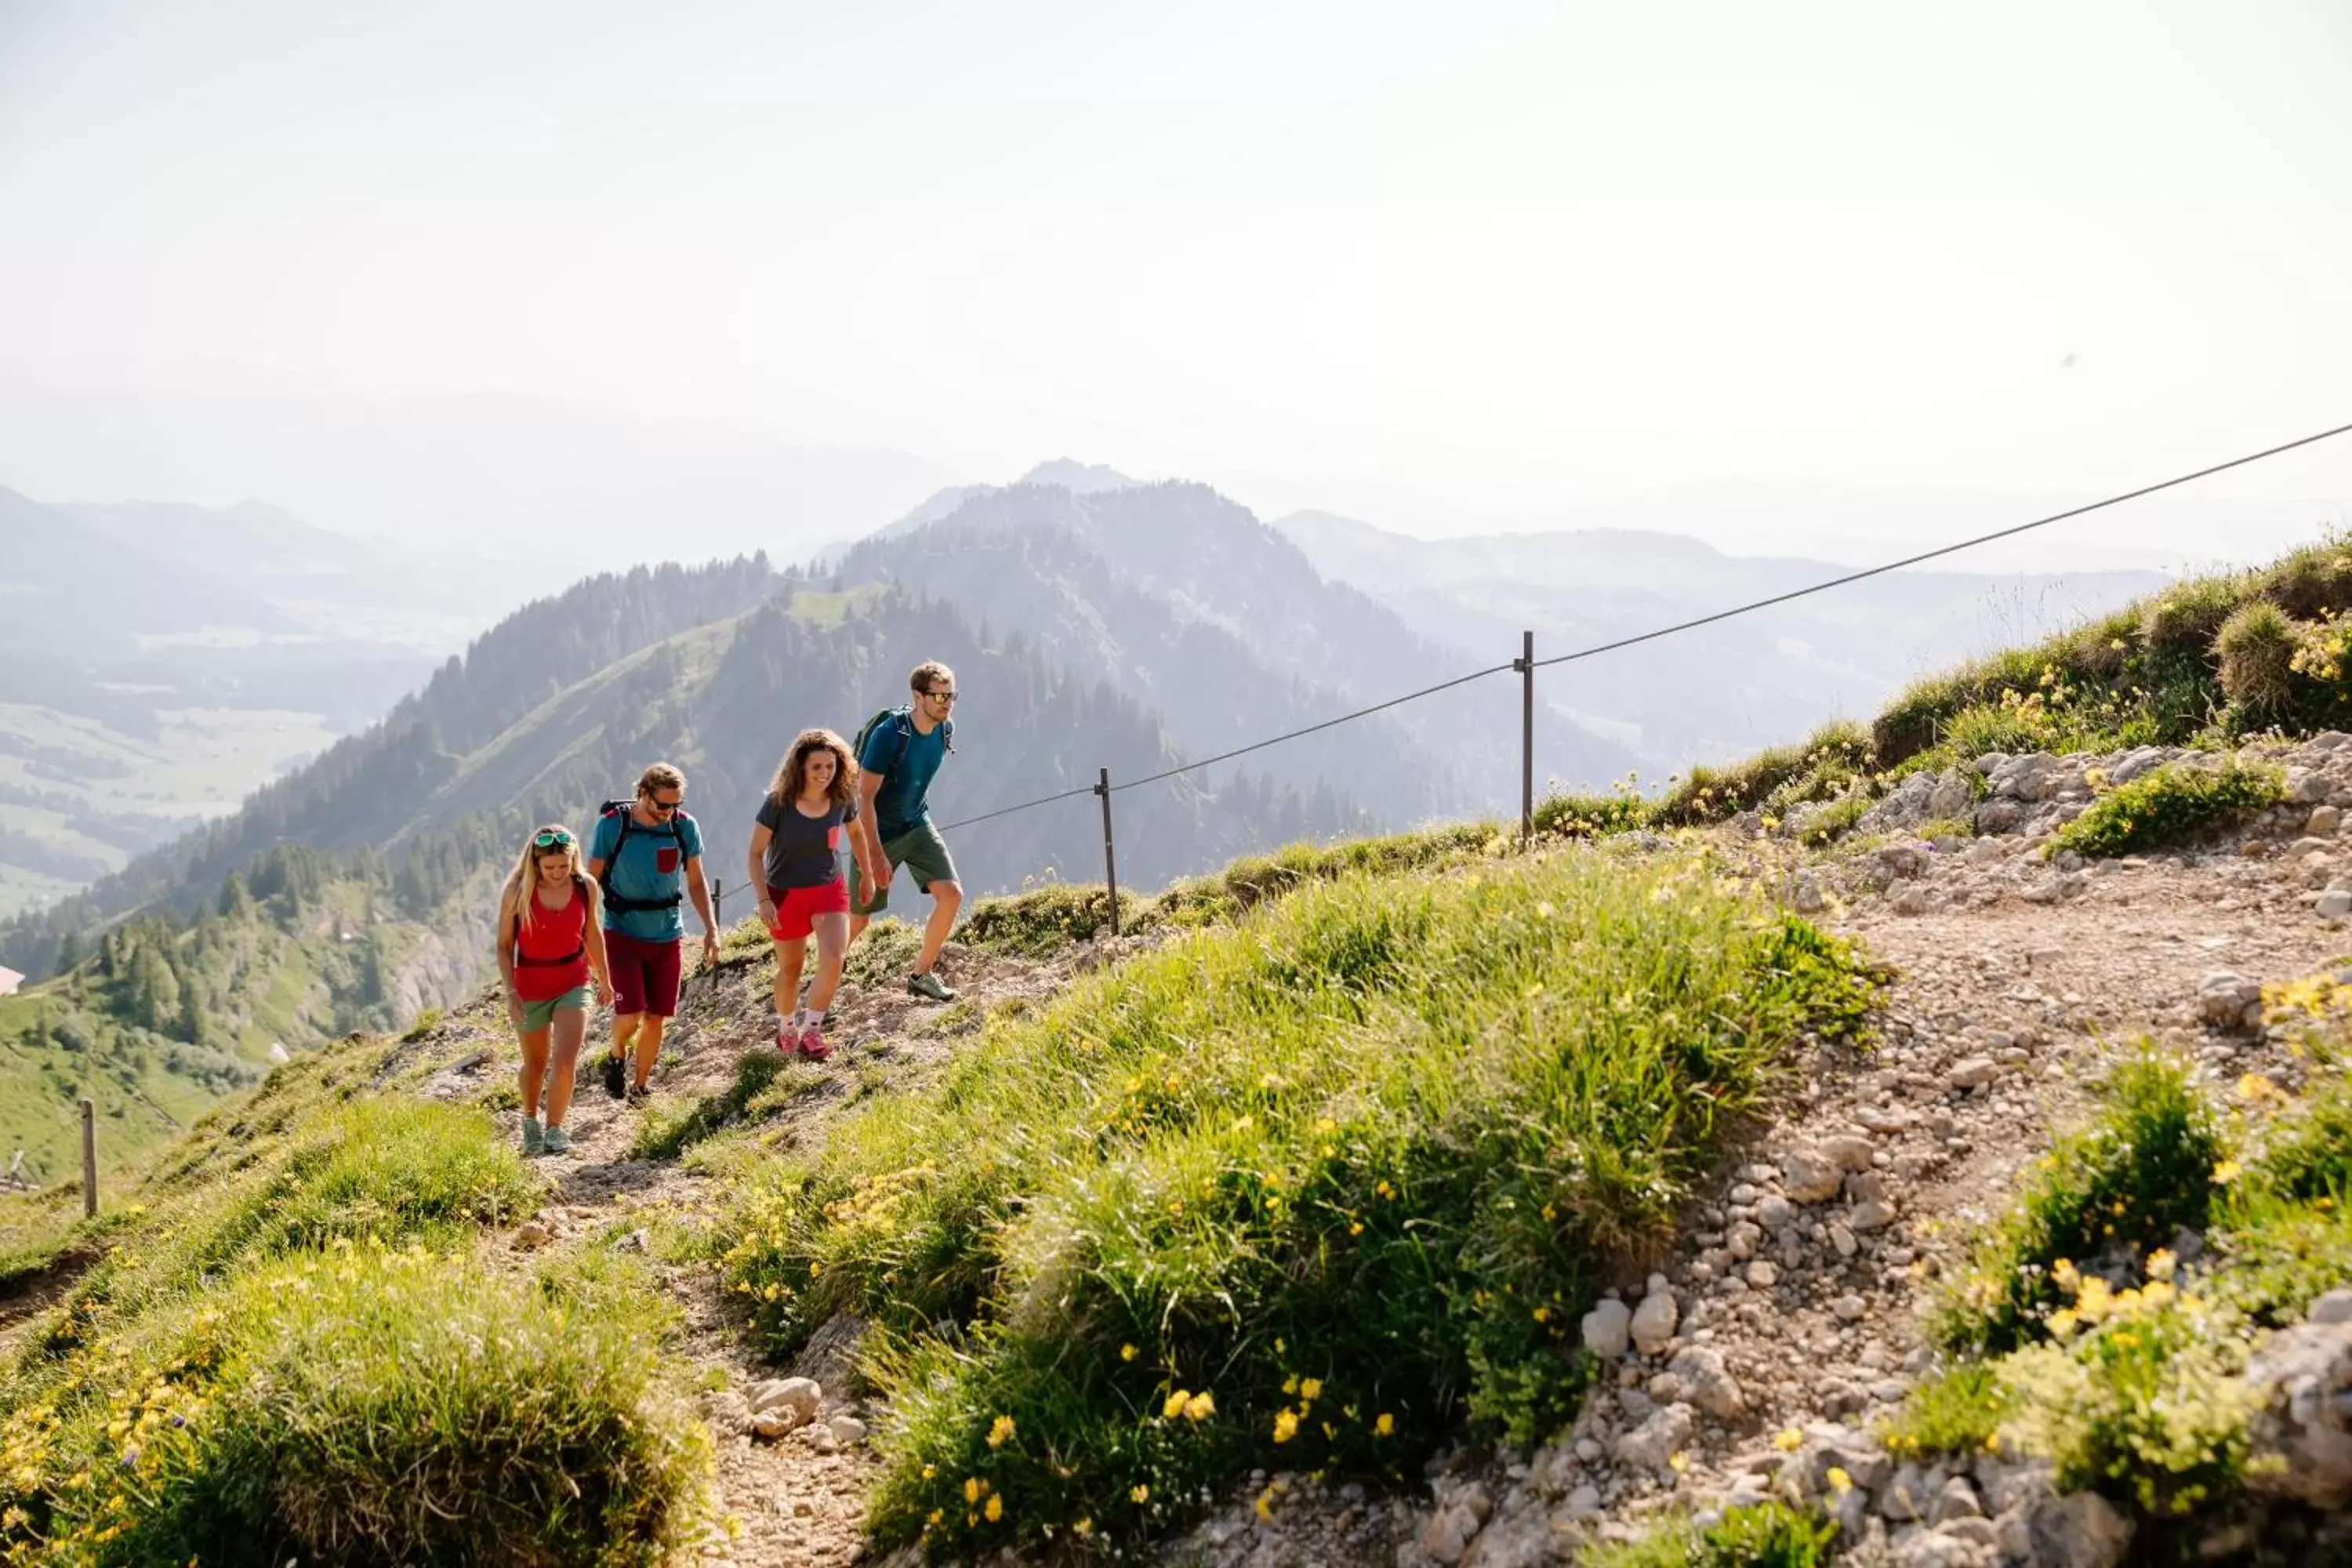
(1722,690)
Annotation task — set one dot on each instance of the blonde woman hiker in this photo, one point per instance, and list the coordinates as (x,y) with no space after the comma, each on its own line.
(646,855)
(551,941)
(899,750)
(794,861)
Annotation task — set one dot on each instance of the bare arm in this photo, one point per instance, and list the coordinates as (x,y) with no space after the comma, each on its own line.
(700,890)
(598,965)
(873,867)
(509,907)
(868,856)
(755,866)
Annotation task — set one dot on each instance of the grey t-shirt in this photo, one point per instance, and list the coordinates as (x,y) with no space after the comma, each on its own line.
(804,850)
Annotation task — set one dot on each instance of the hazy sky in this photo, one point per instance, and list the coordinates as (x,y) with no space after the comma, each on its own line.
(1493,253)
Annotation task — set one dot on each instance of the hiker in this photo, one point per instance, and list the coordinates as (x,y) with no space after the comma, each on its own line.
(549,941)
(643,852)
(899,752)
(794,862)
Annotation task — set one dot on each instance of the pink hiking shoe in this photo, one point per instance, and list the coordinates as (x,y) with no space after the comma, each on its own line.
(812,1044)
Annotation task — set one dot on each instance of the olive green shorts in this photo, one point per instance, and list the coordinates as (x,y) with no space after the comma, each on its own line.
(538,1015)
(920,852)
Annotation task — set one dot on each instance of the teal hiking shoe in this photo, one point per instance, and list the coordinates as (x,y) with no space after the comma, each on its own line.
(930,985)
(558,1141)
(534,1142)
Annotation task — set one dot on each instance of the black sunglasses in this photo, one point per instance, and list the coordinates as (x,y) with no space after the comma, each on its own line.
(664,805)
(552,838)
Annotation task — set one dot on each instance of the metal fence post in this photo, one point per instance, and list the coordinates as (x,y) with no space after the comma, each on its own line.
(1110,856)
(1526,665)
(718,922)
(88,1157)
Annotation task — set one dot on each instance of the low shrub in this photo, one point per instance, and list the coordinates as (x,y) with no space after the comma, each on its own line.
(2147,1405)
(1297,1194)
(2168,806)
(365,1405)
(1759,1535)
(885,953)
(1957,1411)
(1591,816)
(1776,780)
(2143,1170)
(2312,583)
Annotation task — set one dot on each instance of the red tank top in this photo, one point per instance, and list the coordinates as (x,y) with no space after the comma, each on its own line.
(551,948)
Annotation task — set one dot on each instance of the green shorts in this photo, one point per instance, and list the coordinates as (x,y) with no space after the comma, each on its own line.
(920,852)
(538,1015)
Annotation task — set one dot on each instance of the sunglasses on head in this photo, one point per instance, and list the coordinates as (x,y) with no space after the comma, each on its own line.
(551,838)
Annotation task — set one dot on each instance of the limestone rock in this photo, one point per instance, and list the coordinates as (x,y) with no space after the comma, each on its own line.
(2336,1306)
(2304,1378)
(532,1233)
(2228,1000)
(1608,1328)
(1973,1072)
(1810,1176)
(847,1430)
(1655,1320)
(1658,1440)
(797,1398)
(2081,1530)
(1711,1387)
(1850,1152)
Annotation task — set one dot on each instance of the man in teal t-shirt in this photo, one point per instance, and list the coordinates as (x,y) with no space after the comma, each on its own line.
(901,758)
(646,857)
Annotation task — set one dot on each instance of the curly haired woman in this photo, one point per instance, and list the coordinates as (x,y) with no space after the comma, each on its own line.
(794,861)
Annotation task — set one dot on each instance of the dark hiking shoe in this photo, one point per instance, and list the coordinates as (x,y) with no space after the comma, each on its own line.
(616,1080)
(930,985)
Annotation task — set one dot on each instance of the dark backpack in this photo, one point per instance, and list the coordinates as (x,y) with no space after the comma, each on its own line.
(904,719)
(629,824)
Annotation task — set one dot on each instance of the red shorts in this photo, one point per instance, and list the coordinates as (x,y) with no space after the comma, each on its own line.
(797,908)
(645,974)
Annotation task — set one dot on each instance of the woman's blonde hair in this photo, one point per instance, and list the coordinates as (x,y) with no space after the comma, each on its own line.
(790,771)
(522,882)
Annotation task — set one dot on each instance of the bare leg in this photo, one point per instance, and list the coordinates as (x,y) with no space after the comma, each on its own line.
(534,1071)
(570,1028)
(947,898)
(789,957)
(832,943)
(624,1032)
(649,1039)
(857,924)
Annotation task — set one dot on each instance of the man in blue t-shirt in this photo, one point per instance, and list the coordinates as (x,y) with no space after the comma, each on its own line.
(646,857)
(901,758)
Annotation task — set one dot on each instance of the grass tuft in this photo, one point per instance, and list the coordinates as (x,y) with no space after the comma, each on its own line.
(2256,647)
(1957,1411)
(1760,1535)
(665,1135)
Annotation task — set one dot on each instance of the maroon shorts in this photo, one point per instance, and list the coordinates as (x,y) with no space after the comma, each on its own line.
(797,908)
(645,974)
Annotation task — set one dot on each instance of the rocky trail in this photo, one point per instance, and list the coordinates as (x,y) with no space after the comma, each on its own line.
(793,1466)
(1791,1304)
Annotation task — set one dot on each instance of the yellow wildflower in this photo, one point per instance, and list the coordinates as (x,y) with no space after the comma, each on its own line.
(1787,1439)
(972,1489)
(1127,1352)
(1543,1315)
(995,1510)
(2062,1324)
(1312,1389)
(1840,1481)
(1384,1424)
(1139,1493)
(1264,1504)
(1201,1406)
(1084,1526)
(1286,1425)
(1175,1405)
(1001,1432)
(2161,1263)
